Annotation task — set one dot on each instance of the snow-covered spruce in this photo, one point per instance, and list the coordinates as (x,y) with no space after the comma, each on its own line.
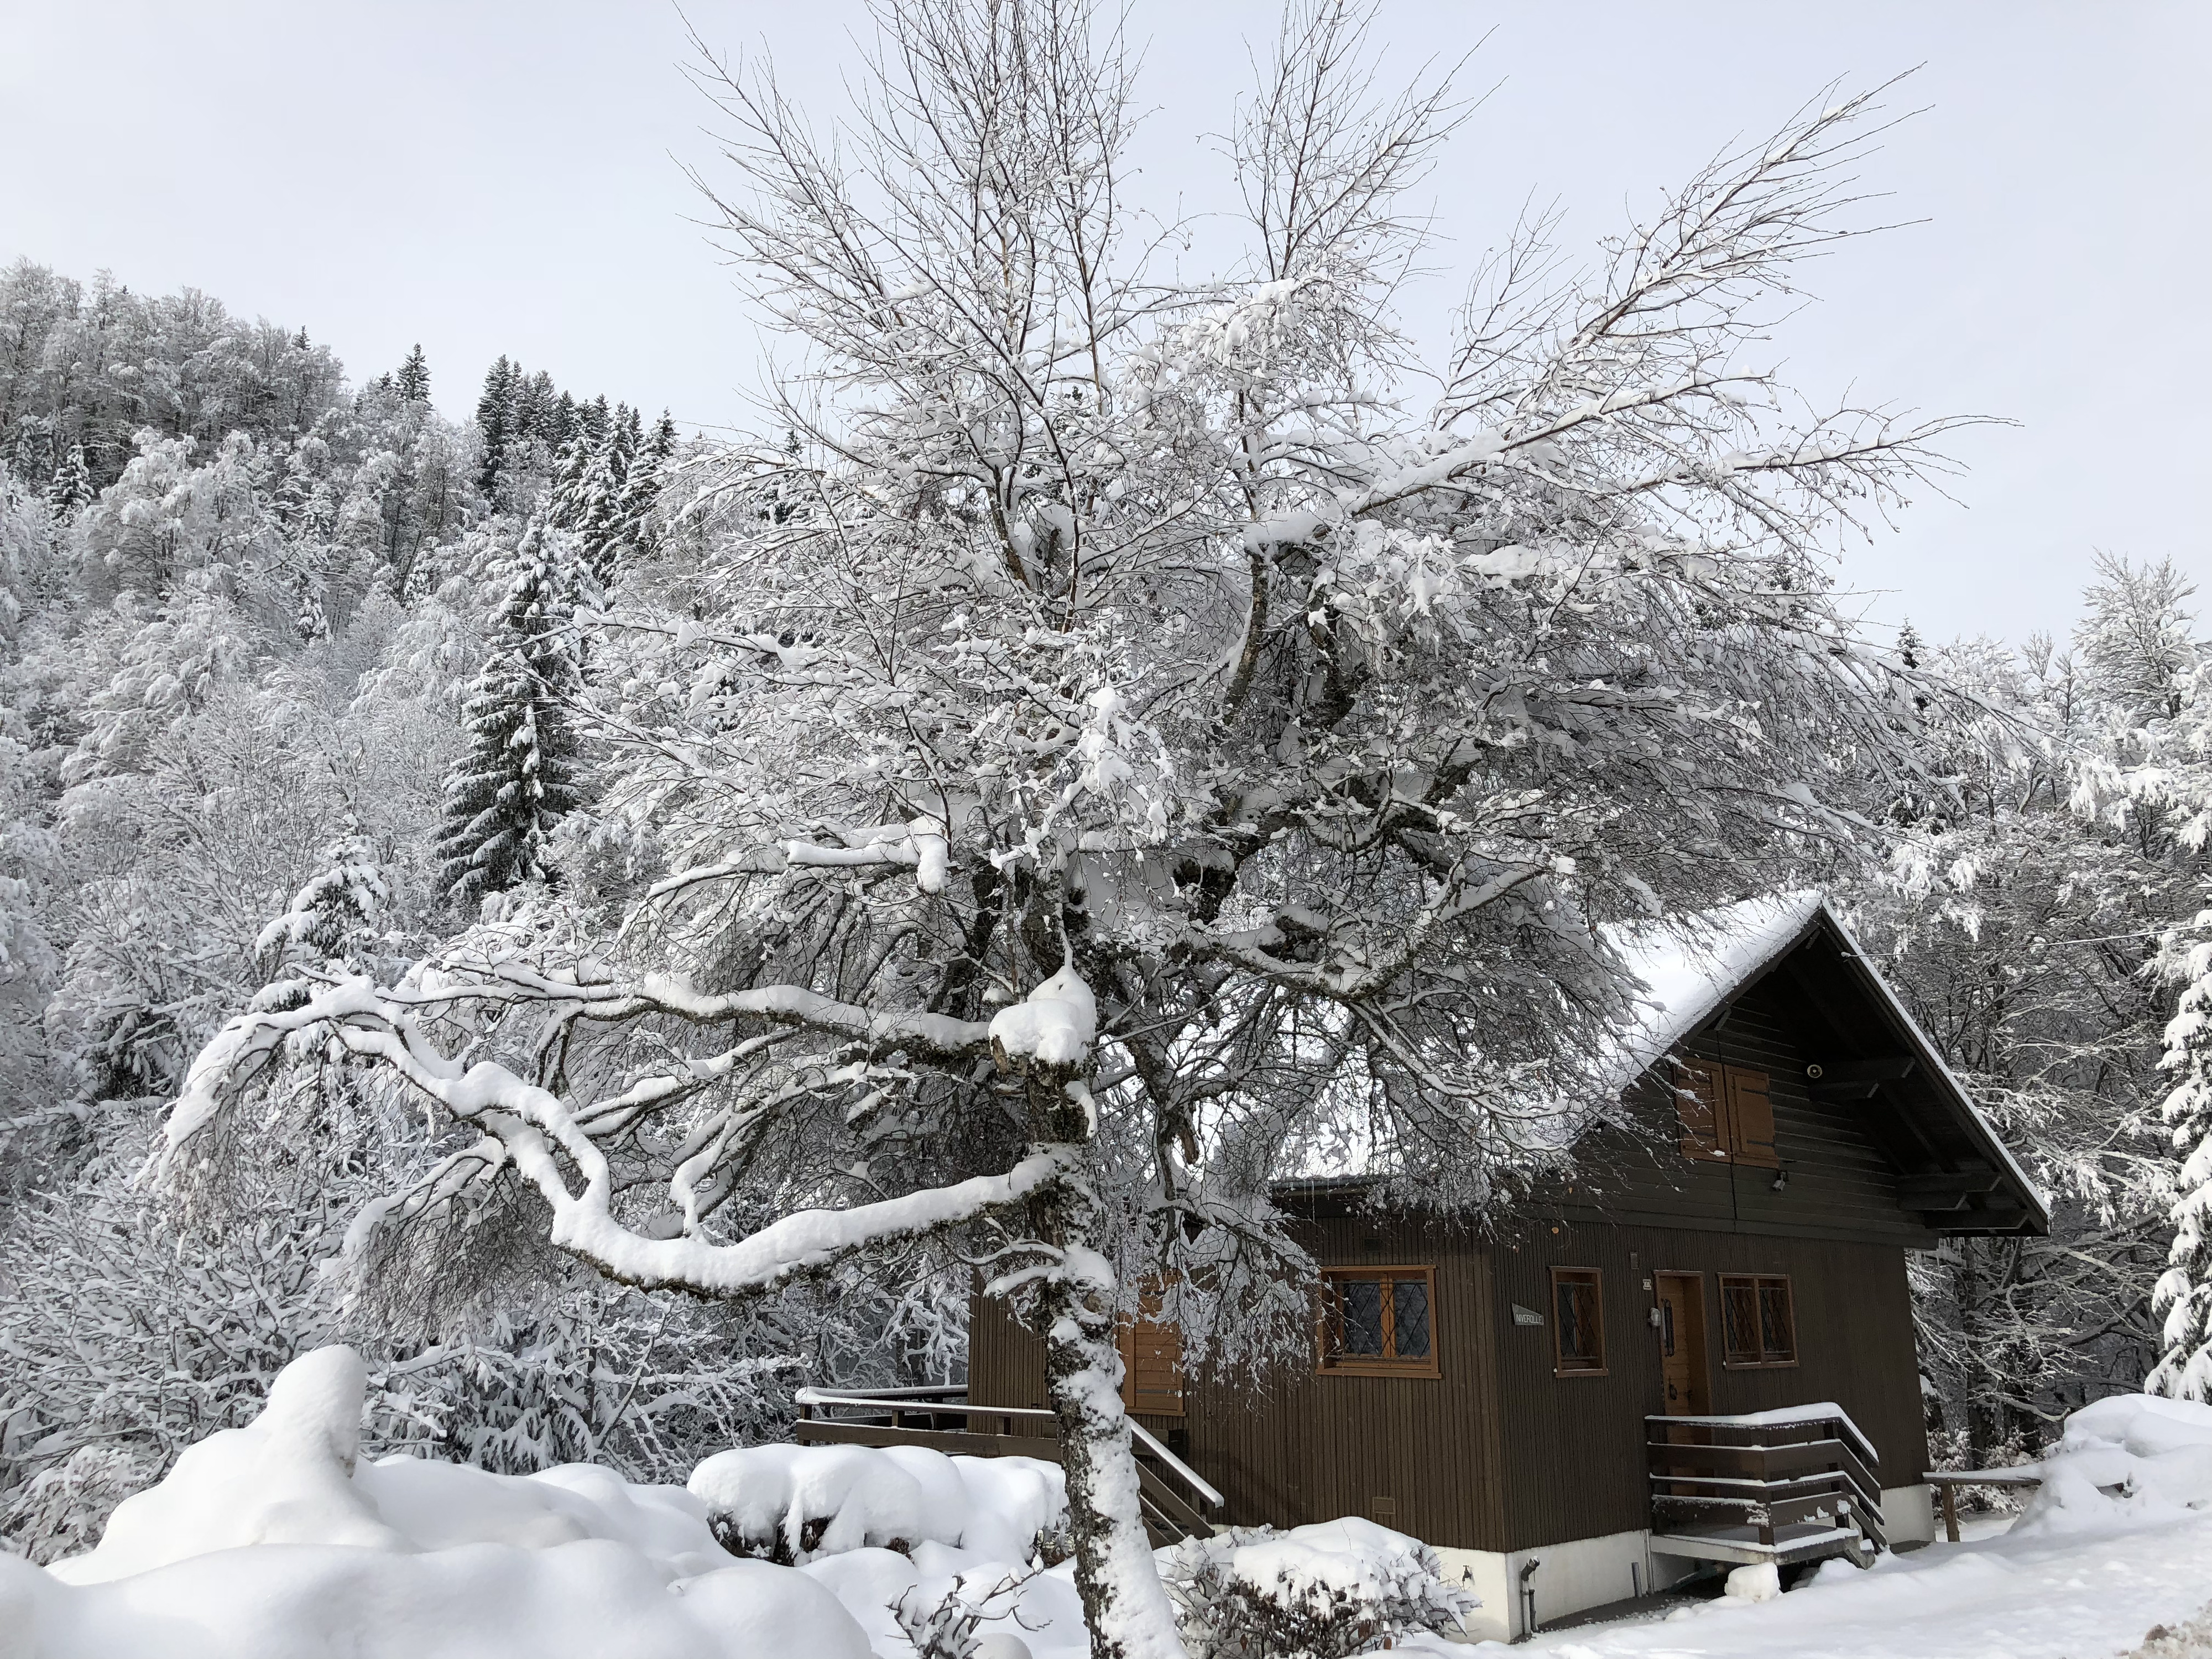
(2184,1297)
(518,780)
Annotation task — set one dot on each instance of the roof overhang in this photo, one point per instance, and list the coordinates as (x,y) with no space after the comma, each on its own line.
(1953,1169)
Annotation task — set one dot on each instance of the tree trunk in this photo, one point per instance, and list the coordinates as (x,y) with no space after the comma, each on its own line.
(1984,1432)
(1124,1602)
(1125,1606)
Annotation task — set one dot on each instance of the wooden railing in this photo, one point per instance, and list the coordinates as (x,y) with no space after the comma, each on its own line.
(1760,1476)
(1947,1482)
(1173,1496)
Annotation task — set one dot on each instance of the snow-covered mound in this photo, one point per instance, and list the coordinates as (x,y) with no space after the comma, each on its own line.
(277,1541)
(793,1504)
(1356,1557)
(274,1541)
(1321,1586)
(2133,1457)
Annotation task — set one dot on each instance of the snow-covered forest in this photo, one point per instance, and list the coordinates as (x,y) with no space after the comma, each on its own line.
(263,626)
(616,924)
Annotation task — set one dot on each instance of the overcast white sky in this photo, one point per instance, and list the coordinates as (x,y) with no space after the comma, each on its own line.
(490,176)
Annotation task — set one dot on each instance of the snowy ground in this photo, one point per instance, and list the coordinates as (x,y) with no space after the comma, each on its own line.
(277,1541)
(2116,1544)
(2069,1596)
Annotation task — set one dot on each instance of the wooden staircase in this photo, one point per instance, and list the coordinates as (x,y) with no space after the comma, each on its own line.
(1798,1484)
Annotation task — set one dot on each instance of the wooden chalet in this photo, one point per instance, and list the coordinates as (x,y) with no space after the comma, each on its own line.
(1697,1349)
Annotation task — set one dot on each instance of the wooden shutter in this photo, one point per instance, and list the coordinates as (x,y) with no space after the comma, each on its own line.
(1700,1104)
(1151,1368)
(1751,1118)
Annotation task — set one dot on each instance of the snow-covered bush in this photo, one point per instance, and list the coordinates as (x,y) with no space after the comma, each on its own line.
(794,1504)
(957,1624)
(61,1511)
(1324,1591)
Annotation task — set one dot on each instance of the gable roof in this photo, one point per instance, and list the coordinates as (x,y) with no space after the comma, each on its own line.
(1693,969)
(1953,1171)
(1692,966)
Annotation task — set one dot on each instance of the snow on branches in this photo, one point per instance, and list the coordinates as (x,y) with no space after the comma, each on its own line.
(2184,1295)
(1106,747)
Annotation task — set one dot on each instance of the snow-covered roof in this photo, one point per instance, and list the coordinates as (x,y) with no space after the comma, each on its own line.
(1690,966)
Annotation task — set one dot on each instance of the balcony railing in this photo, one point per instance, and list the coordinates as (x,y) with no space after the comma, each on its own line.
(1785,1486)
(1174,1496)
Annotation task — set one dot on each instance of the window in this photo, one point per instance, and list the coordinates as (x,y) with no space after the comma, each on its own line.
(1726,1115)
(1757,1323)
(1577,1322)
(1151,1366)
(1378,1321)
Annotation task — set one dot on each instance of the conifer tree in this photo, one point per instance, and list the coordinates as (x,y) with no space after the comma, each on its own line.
(590,496)
(35,449)
(539,404)
(518,777)
(564,422)
(332,923)
(564,504)
(71,487)
(2185,1293)
(414,381)
(496,424)
(641,481)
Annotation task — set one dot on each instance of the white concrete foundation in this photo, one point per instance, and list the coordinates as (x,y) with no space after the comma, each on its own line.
(1588,1572)
(1584,1572)
(1909,1514)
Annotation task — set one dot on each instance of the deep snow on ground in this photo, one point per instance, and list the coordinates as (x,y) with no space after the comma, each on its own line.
(275,1542)
(2118,1541)
(2069,1596)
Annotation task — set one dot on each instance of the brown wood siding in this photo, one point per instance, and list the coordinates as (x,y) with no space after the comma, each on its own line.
(1840,1184)
(1299,1446)
(1574,1461)
(1498,1453)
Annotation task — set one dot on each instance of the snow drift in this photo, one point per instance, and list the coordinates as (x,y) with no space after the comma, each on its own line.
(274,1541)
(2132,1458)
(277,1541)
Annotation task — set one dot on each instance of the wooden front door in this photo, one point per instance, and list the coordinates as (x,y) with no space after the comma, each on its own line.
(1682,1343)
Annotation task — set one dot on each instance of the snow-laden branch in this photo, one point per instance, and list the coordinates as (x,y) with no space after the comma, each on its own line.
(530,1125)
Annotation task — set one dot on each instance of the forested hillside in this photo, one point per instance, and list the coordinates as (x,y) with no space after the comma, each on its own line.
(307,685)
(275,646)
